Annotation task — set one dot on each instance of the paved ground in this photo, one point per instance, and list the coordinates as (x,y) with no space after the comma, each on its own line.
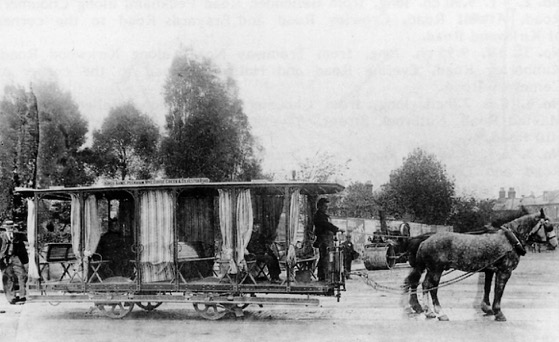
(531,304)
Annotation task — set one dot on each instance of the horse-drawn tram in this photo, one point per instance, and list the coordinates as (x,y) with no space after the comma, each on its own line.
(146,243)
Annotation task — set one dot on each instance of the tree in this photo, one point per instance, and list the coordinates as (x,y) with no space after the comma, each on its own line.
(359,200)
(470,214)
(63,133)
(126,144)
(41,132)
(420,190)
(12,108)
(208,134)
(321,167)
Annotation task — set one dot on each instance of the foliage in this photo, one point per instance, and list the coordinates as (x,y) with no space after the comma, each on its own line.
(470,214)
(55,220)
(12,106)
(322,167)
(63,132)
(208,134)
(30,158)
(420,189)
(359,201)
(19,134)
(498,218)
(126,144)
(28,143)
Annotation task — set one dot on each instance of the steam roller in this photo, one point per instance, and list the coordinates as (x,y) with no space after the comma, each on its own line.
(379,256)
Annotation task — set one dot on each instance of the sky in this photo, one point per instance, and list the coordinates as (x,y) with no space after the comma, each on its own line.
(476,83)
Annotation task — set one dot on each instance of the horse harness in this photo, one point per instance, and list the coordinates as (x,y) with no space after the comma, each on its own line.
(511,236)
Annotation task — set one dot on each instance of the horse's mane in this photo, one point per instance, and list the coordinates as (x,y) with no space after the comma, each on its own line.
(484,230)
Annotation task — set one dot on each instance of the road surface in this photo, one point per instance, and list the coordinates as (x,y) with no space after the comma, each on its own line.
(530,303)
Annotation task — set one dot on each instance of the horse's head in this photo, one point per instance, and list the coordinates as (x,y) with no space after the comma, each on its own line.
(527,228)
(537,234)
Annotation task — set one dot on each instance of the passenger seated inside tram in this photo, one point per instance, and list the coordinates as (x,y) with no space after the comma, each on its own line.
(260,250)
(113,248)
(305,250)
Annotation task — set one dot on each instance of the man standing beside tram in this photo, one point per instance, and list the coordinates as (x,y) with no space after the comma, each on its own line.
(13,261)
(324,231)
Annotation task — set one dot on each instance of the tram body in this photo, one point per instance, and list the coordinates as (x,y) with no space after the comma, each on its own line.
(175,241)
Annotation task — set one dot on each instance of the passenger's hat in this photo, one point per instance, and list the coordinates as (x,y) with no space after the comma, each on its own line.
(322,201)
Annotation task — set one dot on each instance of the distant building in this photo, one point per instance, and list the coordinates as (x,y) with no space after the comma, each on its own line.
(549,201)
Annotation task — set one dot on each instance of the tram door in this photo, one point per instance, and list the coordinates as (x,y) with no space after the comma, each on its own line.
(115,245)
(195,234)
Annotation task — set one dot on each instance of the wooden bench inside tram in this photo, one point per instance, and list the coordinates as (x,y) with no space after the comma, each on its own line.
(59,253)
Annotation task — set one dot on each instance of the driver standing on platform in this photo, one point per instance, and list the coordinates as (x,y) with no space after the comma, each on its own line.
(325,232)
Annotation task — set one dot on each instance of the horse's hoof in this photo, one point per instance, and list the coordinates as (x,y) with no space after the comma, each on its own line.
(417,308)
(443,318)
(500,317)
(430,315)
(487,309)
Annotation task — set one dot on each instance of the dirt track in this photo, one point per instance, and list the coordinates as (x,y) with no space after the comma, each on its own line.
(531,304)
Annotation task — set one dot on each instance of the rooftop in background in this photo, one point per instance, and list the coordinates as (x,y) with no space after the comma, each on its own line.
(509,201)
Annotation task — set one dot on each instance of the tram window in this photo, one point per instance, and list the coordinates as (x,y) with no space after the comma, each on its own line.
(54,221)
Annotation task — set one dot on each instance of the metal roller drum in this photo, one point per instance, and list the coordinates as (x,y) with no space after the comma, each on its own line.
(379,257)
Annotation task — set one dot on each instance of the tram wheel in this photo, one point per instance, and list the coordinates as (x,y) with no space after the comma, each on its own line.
(210,311)
(149,306)
(115,310)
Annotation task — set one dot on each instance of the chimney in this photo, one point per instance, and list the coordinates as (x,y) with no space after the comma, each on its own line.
(512,193)
(502,194)
(369,186)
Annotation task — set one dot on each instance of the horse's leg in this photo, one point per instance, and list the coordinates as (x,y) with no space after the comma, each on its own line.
(428,305)
(485,303)
(501,279)
(434,279)
(411,283)
(428,300)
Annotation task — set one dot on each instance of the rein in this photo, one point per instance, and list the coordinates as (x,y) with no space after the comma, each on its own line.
(375,285)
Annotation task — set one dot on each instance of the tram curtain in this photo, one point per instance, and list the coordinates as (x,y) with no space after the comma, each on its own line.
(156,236)
(293,227)
(226,227)
(245,221)
(33,270)
(75,222)
(92,225)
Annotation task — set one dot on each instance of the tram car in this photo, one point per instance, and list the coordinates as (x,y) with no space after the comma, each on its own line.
(145,243)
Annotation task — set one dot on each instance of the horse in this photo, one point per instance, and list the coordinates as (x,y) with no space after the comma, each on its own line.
(495,252)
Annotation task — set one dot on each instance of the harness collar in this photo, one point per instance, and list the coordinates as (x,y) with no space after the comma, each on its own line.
(514,241)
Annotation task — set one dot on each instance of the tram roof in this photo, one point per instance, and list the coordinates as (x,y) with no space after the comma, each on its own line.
(307,188)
